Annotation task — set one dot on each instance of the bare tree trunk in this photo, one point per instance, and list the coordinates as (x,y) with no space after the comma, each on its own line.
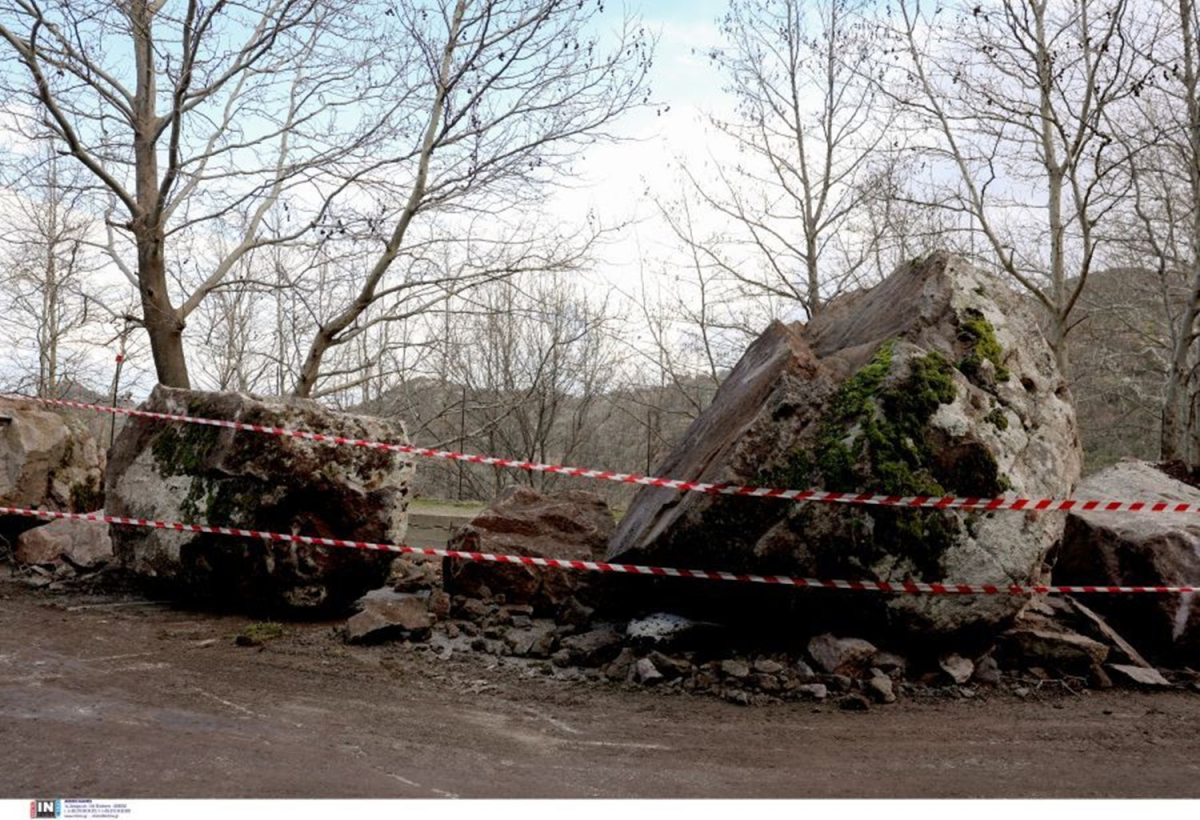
(1176,417)
(162,320)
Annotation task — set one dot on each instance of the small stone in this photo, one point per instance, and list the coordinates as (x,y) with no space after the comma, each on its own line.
(521,621)
(593,648)
(475,609)
(412,573)
(706,681)
(734,668)
(452,631)
(803,672)
(1047,645)
(439,603)
(467,628)
(619,669)
(1021,692)
(957,667)
(382,620)
(479,644)
(987,671)
(890,662)
(966,692)
(669,666)
(766,683)
(880,689)
(768,666)
(839,683)
(841,656)
(575,613)
(545,641)
(738,696)
(816,691)
(663,629)
(1140,675)
(645,672)
(854,703)
(561,658)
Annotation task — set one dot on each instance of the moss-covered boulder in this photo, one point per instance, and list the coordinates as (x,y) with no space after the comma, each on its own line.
(935,382)
(227,478)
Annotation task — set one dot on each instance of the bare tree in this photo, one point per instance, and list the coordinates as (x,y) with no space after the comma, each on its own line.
(225,111)
(501,99)
(44,266)
(1017,91)
(809,146)
(1162,231)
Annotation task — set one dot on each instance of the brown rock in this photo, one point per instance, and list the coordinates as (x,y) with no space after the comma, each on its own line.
(81,544)
(48,461)
(382,620)
(1044,645)
(880,689)
(1136,549)
(841,656)
(645,672)
(735,668)
(935,381)
(959,669)
(1111,635)
(816,691)
(229,478)
(1139,675)
(987,671)
(573,524)
(439,603)
(592,648)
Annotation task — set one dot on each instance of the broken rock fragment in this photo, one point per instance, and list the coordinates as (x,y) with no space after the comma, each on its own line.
(573,524)
(1138,549)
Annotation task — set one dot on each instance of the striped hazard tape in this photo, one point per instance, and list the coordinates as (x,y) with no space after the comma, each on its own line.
(913,587)
(871,499)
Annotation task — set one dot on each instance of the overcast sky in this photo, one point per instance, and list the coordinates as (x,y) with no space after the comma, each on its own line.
(620,181)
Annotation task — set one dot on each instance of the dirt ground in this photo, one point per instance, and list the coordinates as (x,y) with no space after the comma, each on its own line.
(113,696)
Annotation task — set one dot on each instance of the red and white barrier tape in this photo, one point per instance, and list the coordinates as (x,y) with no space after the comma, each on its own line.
(913,587)
(873,499)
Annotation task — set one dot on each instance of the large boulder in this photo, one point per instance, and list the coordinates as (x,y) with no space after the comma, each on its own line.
(81,544)
(1138,549)
(48,461)
(573,524)
(937,381)
(222,477)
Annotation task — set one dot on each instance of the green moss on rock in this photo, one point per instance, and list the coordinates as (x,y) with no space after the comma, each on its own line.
(183,452)
(87,496)
(876,436)
(976,330)
(875,433)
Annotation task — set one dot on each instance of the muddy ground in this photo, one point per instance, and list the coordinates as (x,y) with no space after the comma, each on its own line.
(108,695)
